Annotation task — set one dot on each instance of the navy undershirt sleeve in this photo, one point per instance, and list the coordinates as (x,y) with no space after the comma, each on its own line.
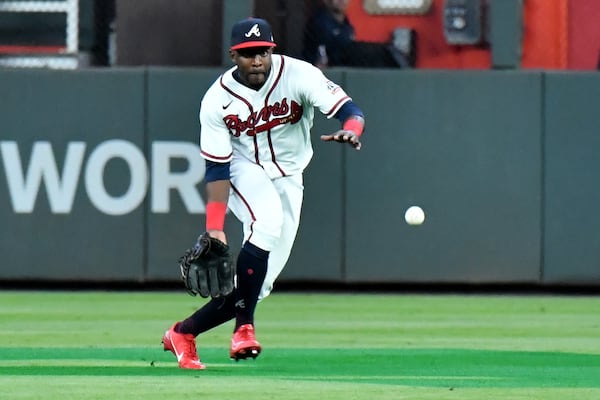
(347,110)
(216,171)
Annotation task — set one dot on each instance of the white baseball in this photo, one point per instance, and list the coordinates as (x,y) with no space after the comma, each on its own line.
(414,215)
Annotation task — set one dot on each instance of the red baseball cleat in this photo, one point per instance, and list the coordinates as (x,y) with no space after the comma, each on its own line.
(244,343)
(183,345)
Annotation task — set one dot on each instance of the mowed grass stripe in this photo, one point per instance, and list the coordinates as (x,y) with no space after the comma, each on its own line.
(434,367)
(528,323)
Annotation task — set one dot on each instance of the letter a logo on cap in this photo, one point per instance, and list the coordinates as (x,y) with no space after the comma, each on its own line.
(250,32)
(253,31)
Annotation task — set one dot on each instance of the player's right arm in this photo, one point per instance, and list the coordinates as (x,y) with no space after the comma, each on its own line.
(216,149)
(217,190)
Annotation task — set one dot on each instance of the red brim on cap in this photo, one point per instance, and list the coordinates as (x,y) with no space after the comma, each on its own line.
(245,45)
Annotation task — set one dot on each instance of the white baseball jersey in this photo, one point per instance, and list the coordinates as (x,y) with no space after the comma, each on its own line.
(271,126)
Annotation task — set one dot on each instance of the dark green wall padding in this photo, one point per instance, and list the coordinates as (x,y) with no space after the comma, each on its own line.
(504,163)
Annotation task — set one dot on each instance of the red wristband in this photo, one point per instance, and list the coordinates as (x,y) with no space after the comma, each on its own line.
(215,216)
(353,125)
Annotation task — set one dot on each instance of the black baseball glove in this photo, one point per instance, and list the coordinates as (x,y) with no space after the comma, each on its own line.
(207,268)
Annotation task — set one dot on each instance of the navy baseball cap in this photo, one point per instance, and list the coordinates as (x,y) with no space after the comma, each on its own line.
(251,32)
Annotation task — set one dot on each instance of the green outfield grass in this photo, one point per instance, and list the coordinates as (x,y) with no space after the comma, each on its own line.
(106,345)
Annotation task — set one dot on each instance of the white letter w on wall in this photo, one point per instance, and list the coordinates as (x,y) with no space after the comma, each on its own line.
(24,185)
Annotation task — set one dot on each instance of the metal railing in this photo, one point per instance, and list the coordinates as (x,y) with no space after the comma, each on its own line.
(64,59)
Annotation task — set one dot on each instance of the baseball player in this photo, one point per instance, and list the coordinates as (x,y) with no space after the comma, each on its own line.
(255,137)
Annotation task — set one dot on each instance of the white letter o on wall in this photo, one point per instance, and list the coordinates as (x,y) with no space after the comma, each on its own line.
(94,173)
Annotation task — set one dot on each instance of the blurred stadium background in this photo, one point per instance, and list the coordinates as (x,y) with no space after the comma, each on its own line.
(456,34)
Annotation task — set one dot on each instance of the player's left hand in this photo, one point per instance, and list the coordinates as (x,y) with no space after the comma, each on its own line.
(343,136)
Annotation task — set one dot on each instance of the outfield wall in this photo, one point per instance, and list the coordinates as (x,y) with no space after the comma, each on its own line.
(100,178)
